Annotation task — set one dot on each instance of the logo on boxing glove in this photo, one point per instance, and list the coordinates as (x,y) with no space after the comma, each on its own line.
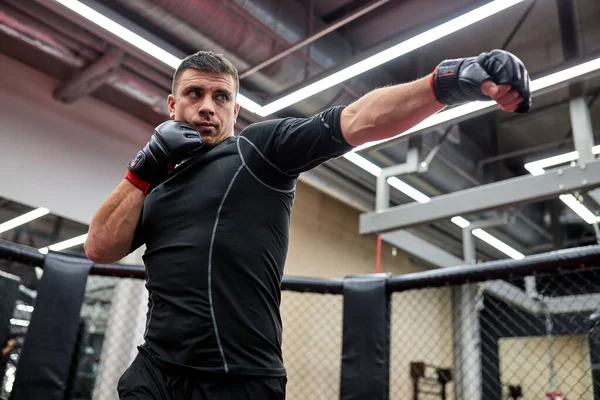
(137,161)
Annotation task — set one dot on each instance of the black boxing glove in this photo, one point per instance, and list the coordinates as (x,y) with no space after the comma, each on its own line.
(171,143)
(459,81)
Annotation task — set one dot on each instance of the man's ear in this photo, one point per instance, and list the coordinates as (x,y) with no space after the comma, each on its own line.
(171,104)
(236,111)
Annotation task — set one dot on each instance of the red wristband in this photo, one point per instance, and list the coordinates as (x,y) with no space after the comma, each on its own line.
(432,86)
(137,182)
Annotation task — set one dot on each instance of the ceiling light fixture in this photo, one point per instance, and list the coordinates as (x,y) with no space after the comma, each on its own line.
(498,244)
(23,219)
(423,198)
(136,40)
(460,221)
(391,53)
(64,244)
(408,45)
(538,168)
(579,208)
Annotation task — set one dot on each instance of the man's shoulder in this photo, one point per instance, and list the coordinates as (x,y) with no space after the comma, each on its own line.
(262,127)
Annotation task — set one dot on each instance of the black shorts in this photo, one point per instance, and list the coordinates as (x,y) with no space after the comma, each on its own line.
(144,380)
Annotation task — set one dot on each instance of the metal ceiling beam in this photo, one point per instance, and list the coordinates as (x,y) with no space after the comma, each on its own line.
(329,28)
(567,18)
(90,78)
(421,248)
(112,39)
(505,193)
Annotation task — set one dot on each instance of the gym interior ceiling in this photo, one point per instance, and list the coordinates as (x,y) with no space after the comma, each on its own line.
(482,149)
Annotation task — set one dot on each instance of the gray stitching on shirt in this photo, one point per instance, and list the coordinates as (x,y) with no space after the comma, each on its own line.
(210,252)
(254,175)
(263,156)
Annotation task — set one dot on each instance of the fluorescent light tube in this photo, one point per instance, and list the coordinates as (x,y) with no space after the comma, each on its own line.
(121,32)
(422,198)
(408,190)
(139,42)
(460,221)
(23,219)
(550,161)
(364,65)
(498,244)
(391,53)
(24,307)
(19,322)
(392,181)
(565,75)
(537,167)
(65,244)
(363,163)
(579,208)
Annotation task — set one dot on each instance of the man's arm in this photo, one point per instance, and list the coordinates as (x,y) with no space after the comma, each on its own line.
(387,112)
(113,226)
(112,229)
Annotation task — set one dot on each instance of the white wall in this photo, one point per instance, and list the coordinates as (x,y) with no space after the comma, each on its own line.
(67,158)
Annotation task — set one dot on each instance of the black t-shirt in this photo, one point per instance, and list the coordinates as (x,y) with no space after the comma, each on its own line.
(216,235)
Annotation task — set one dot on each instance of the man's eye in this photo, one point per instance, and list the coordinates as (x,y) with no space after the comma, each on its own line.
(195,93)
(222,97)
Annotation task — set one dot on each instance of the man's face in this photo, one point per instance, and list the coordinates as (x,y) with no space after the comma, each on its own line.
(206,100)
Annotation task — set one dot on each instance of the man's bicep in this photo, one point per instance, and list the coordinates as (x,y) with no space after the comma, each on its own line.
(300,144)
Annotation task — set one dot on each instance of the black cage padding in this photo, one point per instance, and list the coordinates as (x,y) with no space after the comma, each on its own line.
(503,269)
(366,339)
(594,343)
(47,356)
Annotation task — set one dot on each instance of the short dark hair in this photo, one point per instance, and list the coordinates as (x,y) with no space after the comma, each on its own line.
(206,61)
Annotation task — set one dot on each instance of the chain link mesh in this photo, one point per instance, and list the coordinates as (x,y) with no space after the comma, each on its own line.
(312,344)
(114,309)
(421,341)
(113,313)
(506,339)
(531,338)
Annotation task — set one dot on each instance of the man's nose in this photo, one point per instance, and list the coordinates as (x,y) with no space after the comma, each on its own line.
(207,106)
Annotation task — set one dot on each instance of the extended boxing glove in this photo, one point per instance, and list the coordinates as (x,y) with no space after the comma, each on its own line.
(171,143)
(458,81)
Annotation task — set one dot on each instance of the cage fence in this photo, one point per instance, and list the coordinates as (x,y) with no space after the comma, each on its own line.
(526,338)
(312,344)
(18,302)
(112,317)
(495,337)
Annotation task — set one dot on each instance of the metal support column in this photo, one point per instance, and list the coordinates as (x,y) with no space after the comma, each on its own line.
(594,343)
(466,332)
(466,328)
(581,124)
(410,166)
(583,135)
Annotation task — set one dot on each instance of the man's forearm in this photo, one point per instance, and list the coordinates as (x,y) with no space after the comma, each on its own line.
(389,111)
(113,226)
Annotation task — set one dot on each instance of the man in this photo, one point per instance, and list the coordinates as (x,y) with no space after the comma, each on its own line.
(213,210)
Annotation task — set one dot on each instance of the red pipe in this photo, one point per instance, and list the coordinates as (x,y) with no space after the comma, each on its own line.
(378,257)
